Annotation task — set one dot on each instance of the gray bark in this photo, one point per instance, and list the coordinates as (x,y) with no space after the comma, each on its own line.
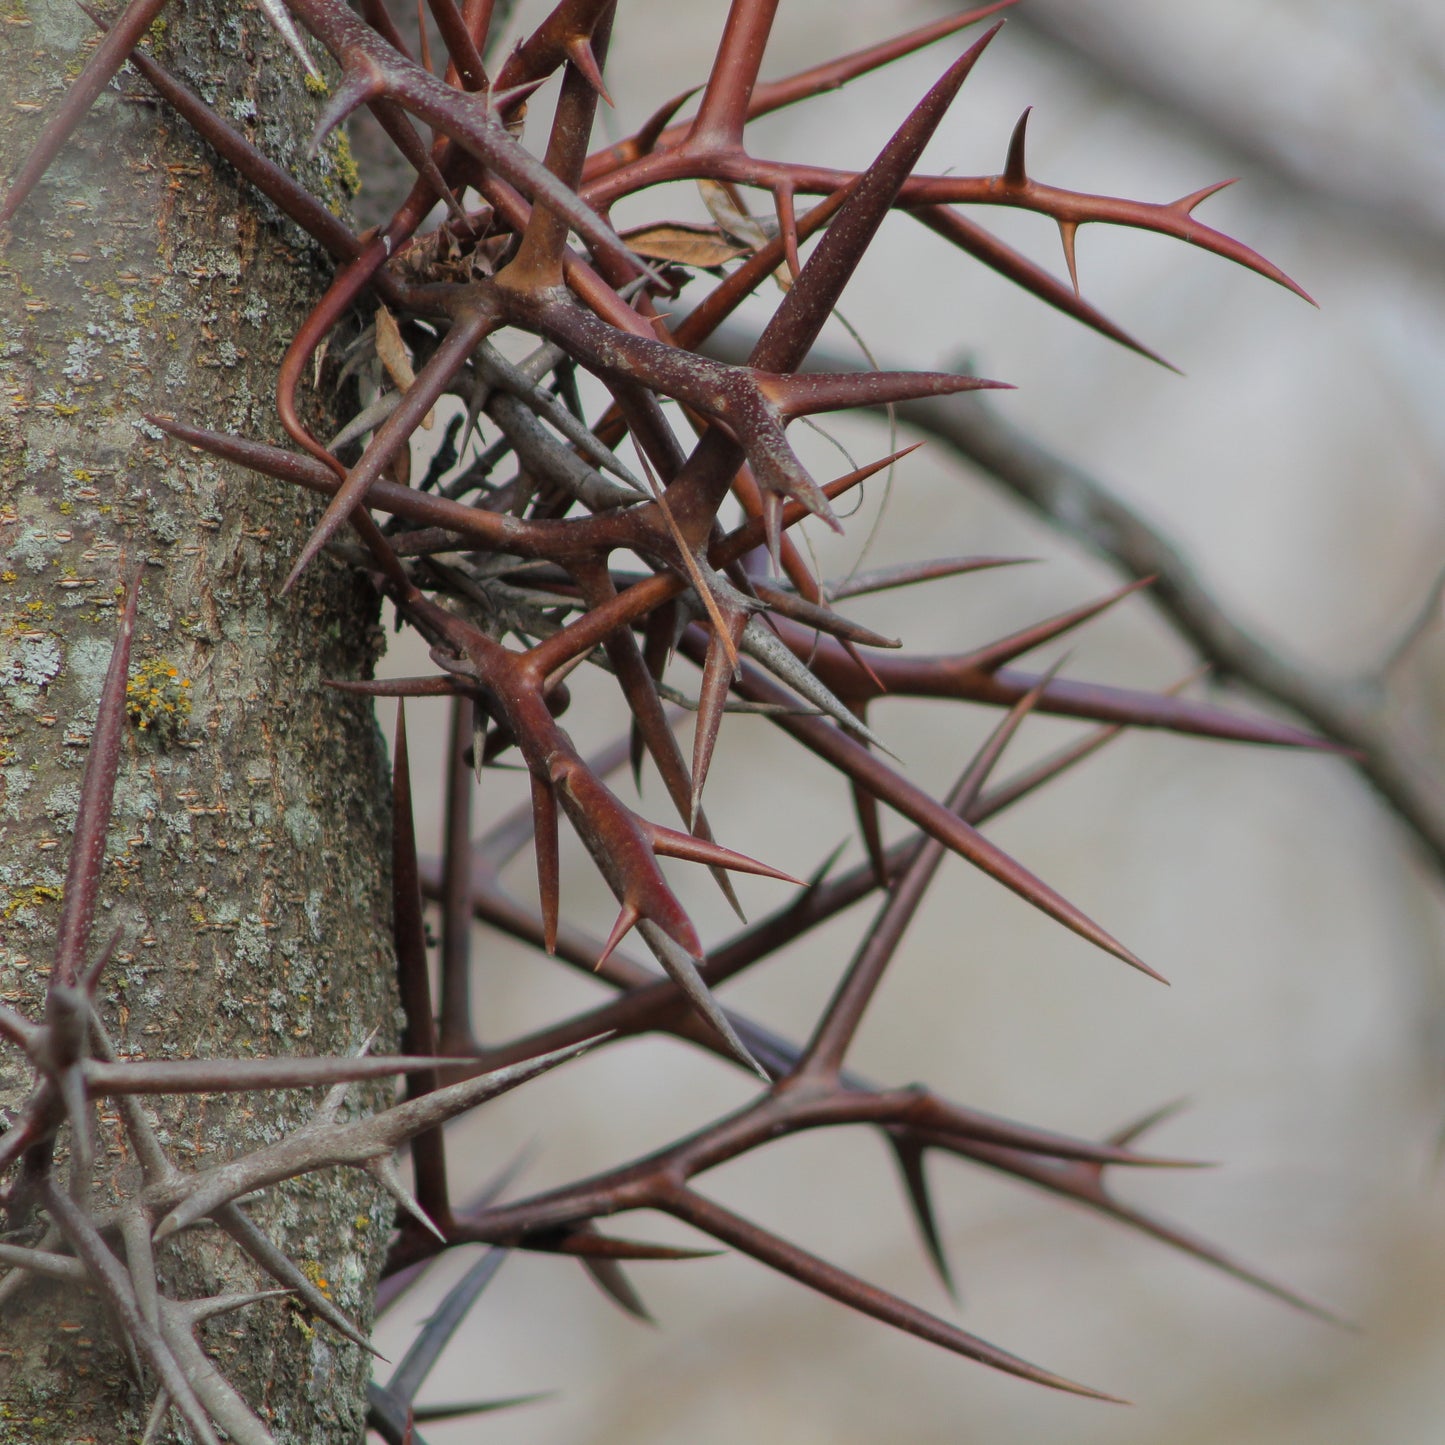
(246,854)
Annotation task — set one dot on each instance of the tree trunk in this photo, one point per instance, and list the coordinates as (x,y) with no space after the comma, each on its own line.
(245,867)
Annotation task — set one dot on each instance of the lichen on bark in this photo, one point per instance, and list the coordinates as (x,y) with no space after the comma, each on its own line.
(245,866)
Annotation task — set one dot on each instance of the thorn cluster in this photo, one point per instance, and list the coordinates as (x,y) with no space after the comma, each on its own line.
(515,583)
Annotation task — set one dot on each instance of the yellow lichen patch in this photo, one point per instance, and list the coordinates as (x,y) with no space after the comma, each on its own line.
(157,698)
(35,896)
(348,173)
(312,1271)
(317,86)
(299,1313)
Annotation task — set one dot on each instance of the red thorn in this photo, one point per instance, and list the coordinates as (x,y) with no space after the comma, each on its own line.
(669,843)
(549,888)
(1186,204)
(627,920)
(356,89)
(773,529)
(579,52)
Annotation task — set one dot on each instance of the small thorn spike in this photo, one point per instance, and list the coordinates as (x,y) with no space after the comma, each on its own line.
(1015,171)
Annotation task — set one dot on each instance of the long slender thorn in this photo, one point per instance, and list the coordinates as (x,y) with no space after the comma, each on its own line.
(545,849)
(99,70)
(682,968)
(278,1264)
(993,656)
(425,1414)
(1123,1137)
(847,1289)
(669,843)
(910,1157)
(414,1367)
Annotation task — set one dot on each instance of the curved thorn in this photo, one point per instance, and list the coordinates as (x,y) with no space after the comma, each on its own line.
(1015,173)
(357,88)
(1186,204)
(609,1277)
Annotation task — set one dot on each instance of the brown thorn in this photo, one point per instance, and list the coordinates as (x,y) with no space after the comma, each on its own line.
(99,70)
(788,227)
(97,792)
(579,52)
(1015,172)
(669,843)
(911,1158)
(544,827)
(848,1289)
(719,668)
(996,654)
(1068,230)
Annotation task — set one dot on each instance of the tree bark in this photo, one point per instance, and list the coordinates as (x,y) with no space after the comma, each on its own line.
(245,866)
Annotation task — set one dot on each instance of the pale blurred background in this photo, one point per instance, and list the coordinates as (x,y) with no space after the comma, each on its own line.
(1299,465)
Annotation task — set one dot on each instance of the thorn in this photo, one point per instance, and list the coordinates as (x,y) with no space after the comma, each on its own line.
(357,87)
(1122,1138)
(681,966)
(544,827)
(501,101)
(788,228)
(910,1156)
(669,843)
(996,654)
(579,52)
(385,1172)
(1186,204)
(1067,231)
(99,71)
(1014,171)
(427,1414)
(719,667)
(773,529)
(282,23)
(626,921)
(865,808)
(607,1275)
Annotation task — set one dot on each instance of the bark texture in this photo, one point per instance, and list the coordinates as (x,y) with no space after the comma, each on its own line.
(245,854)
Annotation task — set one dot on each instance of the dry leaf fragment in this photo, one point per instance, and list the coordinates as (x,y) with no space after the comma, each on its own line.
(685,244)
(395,357)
